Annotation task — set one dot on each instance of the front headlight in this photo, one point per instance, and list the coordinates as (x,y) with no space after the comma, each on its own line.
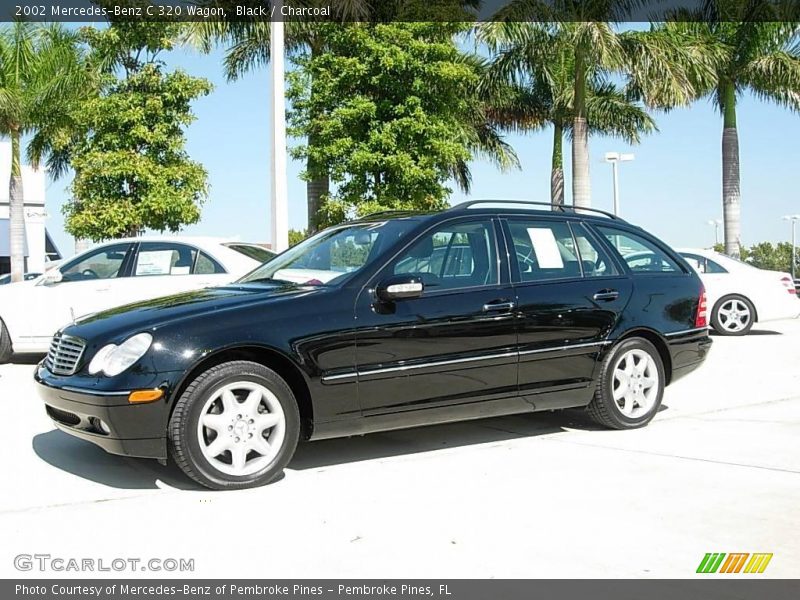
(113,360)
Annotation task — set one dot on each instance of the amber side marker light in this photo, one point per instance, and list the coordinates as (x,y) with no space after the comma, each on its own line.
(142,396)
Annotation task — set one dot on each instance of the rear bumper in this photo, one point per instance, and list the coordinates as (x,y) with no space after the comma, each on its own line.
(687,351)
(135,430)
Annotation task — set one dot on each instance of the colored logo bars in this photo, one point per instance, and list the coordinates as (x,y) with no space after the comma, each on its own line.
(716,562)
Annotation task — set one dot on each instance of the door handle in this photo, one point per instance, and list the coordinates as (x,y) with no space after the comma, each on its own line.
(498,306)
(606,295)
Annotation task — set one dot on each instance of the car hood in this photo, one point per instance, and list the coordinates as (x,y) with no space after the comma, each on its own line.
(152,314)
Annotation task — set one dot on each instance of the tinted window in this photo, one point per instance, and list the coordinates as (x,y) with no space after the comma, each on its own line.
(641,255)
(594,260)
(544,249)
(103,263)
(456,255)
(702,264)
(205,265)
(164,259)
(251,251)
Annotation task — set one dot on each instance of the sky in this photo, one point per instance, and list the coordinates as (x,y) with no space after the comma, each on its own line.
(672,188)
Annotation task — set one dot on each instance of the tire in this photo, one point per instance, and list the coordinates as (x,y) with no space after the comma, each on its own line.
(739,322)
(6,350)
(611,407)
(224,452)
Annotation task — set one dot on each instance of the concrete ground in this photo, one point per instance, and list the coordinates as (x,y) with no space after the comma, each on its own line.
(545,495)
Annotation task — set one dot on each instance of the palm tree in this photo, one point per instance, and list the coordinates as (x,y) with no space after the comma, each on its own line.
(659,70)
(751,54)
(40,70)
(534,72)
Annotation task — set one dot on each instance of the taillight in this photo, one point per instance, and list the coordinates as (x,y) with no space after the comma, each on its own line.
(701,320)
(788,284)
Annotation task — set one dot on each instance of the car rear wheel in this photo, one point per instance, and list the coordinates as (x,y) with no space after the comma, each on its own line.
(5,344)
(733,315)
(235,426)
(631,386)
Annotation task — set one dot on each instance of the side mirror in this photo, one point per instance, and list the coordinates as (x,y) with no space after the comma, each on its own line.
(52,276)
(399,287)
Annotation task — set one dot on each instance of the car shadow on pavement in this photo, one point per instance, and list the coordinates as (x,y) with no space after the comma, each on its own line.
(86,460)
(401,442)
(27,359)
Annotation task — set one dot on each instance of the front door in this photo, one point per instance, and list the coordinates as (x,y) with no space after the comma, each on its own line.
(88,285)
(570,295)
(456,343)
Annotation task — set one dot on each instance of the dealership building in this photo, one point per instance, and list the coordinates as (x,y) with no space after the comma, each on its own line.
(38,246)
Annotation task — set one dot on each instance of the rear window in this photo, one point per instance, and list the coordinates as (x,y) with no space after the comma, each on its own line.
(258,253)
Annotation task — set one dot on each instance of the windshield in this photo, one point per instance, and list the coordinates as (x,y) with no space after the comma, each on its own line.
(251,251)
(333,255)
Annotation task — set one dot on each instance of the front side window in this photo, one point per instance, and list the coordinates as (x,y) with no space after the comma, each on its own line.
(455,255)
(544,249)
(103,263)
(640,254)
(333,255)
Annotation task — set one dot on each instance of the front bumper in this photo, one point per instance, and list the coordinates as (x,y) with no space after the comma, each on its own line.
(137,430)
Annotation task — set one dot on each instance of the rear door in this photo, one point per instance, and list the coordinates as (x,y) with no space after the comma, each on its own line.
(570,295)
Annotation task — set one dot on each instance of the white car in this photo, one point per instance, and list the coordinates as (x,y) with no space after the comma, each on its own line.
(740,294)
(113,274)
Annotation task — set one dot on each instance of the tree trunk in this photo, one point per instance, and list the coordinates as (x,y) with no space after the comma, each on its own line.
(318,184)
(557,168)
(731,194)
(17,211)
(581,186)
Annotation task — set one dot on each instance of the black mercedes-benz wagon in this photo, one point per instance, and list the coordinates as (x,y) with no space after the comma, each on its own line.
(395,320)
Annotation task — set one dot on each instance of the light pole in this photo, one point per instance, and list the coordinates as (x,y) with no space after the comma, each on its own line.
(716,223)
(279,187)
(793,219)
(615,158)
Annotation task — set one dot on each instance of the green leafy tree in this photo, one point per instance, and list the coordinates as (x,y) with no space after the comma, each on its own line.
(754,49)
(132,171)
(41,73)
(247,43)
(388,104)
(532,76)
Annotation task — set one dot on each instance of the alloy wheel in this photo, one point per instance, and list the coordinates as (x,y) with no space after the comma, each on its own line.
(733,315)
(635,383)
(241,428)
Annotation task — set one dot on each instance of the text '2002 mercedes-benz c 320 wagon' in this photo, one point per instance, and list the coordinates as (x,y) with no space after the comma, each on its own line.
(395,320)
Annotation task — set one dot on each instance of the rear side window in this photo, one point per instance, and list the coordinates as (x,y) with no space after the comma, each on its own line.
(640,254)
(703,264)
(544,249)
(594,260)
(205,265)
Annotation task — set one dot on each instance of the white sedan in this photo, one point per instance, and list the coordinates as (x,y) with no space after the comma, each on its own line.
(113,274)
(740,294)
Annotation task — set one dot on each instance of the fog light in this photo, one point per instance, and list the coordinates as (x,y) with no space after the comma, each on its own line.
(99,425)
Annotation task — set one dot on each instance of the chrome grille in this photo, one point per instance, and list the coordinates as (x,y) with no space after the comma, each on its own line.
(65,354)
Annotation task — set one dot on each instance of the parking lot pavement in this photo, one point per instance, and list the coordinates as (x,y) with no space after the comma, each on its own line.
(544,495)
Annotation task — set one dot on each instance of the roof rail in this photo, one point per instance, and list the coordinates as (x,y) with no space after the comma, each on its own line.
(553,207)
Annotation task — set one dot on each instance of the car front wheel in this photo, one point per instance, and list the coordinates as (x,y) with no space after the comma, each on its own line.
(631,386)
(733,315)
(235,426)
(5,344)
